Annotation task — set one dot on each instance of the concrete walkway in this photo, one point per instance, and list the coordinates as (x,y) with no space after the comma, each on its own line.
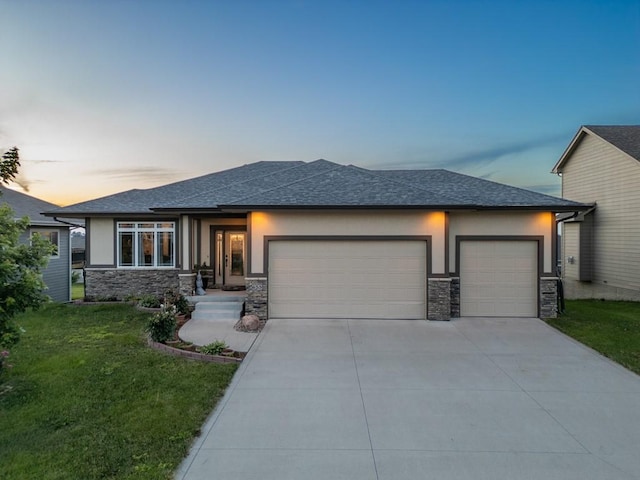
(214,317)
(469,399)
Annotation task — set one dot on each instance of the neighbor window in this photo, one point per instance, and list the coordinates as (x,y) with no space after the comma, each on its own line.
(146,244)
(53,236)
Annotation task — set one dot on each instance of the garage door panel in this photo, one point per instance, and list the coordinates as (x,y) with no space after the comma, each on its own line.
(355,279)
(498,278)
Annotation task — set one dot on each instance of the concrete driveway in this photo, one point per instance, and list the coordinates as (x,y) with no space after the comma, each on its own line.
(467,399)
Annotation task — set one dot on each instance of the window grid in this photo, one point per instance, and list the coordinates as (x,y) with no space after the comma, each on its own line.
(146,244)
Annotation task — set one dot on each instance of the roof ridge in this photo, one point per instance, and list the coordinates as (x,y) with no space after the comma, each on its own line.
(378,173)
(336,166)
(294,164)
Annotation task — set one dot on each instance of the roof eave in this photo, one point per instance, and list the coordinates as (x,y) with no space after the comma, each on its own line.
(538,208)
(96,214)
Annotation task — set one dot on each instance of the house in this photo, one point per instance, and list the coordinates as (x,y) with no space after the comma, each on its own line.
(57,274)
(324,240)
(601,246)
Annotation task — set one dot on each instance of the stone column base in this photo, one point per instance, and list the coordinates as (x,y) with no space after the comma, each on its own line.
(257,297)
(439,299)
(187,283)
(548,297)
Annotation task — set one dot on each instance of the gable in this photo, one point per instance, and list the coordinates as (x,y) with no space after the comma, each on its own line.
(24,205)
(624,139)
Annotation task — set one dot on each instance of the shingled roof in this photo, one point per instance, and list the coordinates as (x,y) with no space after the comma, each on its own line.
(319,184)
(626,138)
(24,205)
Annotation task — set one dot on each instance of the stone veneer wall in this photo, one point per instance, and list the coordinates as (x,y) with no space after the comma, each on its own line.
(455,297)
(187,283)
(112,283)
(257,293)
(439,299)
(548,297)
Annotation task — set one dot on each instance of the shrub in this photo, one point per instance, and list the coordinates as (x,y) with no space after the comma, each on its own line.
(75,277)
(214,348)
(177,300)
(162,325)
(149,301)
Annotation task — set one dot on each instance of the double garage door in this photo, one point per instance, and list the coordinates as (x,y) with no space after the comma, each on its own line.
(386,279)
(347,279)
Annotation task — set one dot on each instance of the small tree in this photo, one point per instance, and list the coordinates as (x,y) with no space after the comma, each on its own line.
(9,165)
(21,284)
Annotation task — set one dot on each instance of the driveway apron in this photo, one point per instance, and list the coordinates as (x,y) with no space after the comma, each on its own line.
(474,398)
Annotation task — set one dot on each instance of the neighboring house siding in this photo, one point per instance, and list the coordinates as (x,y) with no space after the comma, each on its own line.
(598,172)
(503,224)
(57,274)
(570,248)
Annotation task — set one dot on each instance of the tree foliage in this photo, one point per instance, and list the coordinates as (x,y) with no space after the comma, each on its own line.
(21,264)
(21,284)
(9,165)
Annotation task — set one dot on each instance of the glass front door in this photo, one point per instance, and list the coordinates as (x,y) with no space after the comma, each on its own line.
(235,258)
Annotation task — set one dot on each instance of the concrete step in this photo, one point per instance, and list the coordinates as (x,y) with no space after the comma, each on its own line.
(214,316)
(196,299)
(209,306)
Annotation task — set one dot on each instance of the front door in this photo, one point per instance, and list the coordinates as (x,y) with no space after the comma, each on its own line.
(235,253)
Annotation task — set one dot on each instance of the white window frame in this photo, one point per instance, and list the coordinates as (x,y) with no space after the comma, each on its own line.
(137,228)
(46,234)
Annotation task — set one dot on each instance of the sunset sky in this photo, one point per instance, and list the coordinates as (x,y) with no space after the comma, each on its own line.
(108,95)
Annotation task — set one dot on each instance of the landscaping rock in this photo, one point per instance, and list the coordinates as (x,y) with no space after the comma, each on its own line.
(250,322)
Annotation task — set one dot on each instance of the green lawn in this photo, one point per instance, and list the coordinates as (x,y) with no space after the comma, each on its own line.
(86,398)
(77,291)
(611,328)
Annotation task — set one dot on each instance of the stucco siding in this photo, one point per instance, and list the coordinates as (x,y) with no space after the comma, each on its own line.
(206,248)
(598,172)
(101,241)
(350,223)
(502,224)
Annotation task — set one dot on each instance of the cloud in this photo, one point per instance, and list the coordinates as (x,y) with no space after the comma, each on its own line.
(146,174)
(484,157)
(480,157)
(547,189)
(38,162)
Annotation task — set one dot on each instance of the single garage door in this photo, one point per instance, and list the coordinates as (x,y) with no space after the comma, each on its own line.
(347,279)
(499,278)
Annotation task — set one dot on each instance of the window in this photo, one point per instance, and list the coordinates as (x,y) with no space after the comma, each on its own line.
(53,236)
(146,244)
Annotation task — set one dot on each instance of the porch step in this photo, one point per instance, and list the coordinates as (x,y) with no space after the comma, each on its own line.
(213,319)
(196,299)
(218,310)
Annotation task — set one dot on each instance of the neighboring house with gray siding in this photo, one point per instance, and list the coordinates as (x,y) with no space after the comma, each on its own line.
(601,246)
(57,274)
(324,240)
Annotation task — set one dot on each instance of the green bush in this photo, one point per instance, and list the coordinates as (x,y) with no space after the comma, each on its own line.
(149,301)
(177,300)
(162,325)
(214,348)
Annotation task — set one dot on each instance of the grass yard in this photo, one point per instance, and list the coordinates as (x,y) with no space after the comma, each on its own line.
(77,291)
(611,328)
(86,398)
